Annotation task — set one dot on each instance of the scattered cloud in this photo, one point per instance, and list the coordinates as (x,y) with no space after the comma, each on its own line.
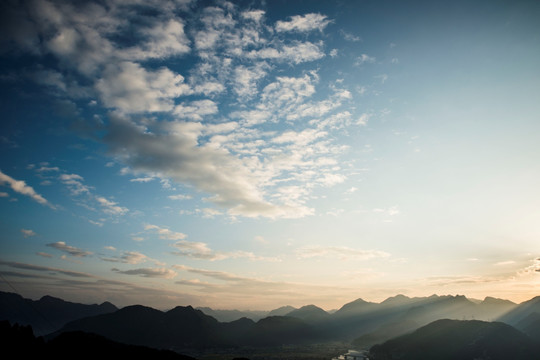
(74,183)
(201,251)
(20,187)
(130,88)
(128,257)
(149,272)
(28,233)
(48,169)
(364,59)
(303,23)
(165,233)
(142,180)
(71,250)
(44,254)
(180,197)
(111,207)
(350,37)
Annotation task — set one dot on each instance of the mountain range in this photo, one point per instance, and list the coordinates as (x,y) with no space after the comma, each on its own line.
(47,314)
(184,328)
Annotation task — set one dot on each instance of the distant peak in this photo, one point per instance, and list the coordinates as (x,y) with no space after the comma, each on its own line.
(493,300)
(48,298)
(397,298)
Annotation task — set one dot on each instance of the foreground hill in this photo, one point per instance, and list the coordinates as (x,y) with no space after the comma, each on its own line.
(47,314)
(459,340)
(19,341)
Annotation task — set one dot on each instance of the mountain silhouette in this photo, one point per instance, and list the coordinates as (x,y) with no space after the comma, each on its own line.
(19,341)
(281,311)
(310,313)
(47,314)
(180,327)
(361,322)
(521,311)
(459,340)
(232,315)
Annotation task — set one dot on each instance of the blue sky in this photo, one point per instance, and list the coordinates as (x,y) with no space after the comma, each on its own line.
(256,154)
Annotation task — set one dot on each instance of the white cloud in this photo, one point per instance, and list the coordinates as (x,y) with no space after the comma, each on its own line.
(71,250)
(364,58)
(238,165)
(74,184)
(20,187)
(303,23)
(112,248)
(4,194)
(178,155)
(363,119)
(180,197)
(28,233)
(254,15)
(163,40)
(129,87)
(350,37)
(297,53)
(210,213)
(165,233)
(47,169)
(201,251)
(246,79)
(142,180)
(110,207)
(196,110)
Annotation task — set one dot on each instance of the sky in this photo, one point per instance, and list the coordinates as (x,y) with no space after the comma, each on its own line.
(255,154)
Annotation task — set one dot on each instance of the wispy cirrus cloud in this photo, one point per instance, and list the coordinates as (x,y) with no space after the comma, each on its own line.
(20,187)
(149,272)
(76,186)
(28,233)
(40,268)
